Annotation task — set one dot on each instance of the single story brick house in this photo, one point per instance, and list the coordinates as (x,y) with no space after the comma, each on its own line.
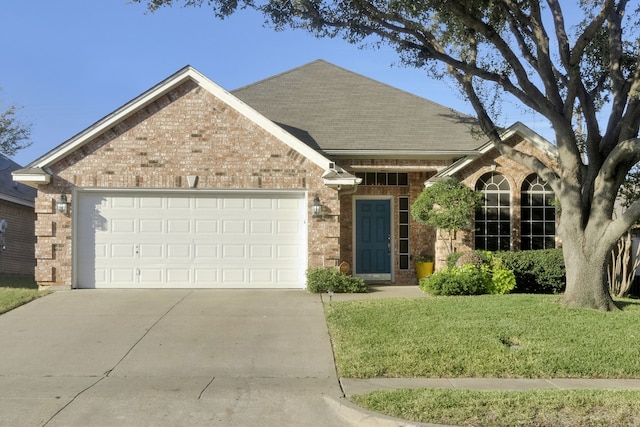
(17,222)
(189,185)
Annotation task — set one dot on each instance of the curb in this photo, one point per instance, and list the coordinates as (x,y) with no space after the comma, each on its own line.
(357,416)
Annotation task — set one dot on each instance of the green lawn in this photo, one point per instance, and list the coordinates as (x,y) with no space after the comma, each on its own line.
(505,336)
(548,408)
(17,290)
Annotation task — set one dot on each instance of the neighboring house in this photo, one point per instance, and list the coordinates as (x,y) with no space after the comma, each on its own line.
(17,222)
(189,185)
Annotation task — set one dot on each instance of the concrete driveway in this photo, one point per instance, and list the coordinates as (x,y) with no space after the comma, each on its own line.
(167,358)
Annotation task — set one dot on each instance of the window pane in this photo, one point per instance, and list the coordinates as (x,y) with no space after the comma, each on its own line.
(392,179)
(549,228)
(404,231)
(370,178)
(404,262)
(505,229)
(550,243)
(492,228)
(504,244)
(404,246)
(537,228)
(403,179)
(537,243)
(404,203)
(537,199)
(492,244)
(404,217)
(382,178)
(537,214)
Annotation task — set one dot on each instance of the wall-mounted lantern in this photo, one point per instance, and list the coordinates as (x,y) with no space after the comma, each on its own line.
(316,208)
(61,204)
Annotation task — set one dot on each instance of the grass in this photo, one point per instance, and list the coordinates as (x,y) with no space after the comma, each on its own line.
(16,290)
(552,408)
(502,336)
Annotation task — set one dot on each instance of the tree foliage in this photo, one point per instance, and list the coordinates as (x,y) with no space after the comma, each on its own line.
(570,63)
(446,205)
(14,135)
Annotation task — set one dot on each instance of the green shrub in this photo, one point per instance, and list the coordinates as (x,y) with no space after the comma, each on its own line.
(463,280)
(536,271)
(471,273)
(503,280)
(320,280)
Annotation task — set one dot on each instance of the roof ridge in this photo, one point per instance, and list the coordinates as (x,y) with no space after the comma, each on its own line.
(282,73)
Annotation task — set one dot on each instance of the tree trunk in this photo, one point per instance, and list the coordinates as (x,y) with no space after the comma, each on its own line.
(586,263)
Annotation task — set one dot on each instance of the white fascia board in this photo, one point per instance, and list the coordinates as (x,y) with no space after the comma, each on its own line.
(187,73)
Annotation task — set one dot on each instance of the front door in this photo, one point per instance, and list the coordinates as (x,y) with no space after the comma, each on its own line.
(373,239)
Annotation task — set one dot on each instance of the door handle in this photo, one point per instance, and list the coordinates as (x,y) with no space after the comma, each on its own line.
(389,244)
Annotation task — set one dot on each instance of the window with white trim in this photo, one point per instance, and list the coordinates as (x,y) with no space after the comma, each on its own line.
(493,218)
(538,223)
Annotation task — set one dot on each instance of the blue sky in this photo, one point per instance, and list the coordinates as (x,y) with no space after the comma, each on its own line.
(68,63)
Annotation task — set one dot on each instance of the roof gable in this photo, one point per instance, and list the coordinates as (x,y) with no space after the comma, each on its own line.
(187,73)
(517,128)
(336,111)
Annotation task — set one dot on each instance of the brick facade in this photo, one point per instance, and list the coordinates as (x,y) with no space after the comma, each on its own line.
(193,130)
(186,132)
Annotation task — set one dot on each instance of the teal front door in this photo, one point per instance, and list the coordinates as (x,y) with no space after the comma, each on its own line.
(373,239)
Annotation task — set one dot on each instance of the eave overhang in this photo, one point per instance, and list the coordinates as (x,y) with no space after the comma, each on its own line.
(400,154)
(31,176)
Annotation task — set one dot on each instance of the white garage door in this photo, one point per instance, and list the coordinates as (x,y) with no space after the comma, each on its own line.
(189,240)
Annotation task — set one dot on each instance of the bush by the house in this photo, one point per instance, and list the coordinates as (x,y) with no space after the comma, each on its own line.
(320,280)
(536,271)
(466,279)
(471,275)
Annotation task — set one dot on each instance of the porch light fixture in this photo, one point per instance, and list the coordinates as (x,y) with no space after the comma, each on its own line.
(316,208)
(61,204)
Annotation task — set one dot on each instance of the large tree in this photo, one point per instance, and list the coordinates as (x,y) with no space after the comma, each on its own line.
(581,76)
(14,134)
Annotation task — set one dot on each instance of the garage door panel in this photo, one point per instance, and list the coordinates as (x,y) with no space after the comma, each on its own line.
(122,275)
(203,226)
(125,250)
(123,226)
(175,240)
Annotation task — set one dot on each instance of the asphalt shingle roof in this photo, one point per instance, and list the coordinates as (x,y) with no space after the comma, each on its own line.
(330,108)
(10,189)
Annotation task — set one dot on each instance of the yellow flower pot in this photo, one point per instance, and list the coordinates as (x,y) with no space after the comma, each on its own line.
(424,269)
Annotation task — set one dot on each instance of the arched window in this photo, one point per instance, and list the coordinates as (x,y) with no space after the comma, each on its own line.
(493,218)
(538,226)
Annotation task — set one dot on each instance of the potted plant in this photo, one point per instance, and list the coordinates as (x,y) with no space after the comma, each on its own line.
(424,265)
